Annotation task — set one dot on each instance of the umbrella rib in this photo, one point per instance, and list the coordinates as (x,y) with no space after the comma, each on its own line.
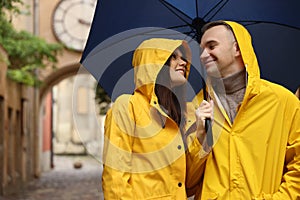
(167,5)
(267,22)
(197,9)
(179,26)
(213,8)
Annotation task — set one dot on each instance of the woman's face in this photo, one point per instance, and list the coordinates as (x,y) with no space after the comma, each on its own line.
(177,69)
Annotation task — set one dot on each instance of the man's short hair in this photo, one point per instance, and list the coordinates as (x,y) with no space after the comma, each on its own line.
(215,23)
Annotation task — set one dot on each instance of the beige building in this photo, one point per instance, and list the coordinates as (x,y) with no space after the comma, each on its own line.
(18,129)
(60,117)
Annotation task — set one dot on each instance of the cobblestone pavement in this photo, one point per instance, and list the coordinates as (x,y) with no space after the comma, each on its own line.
(64,182)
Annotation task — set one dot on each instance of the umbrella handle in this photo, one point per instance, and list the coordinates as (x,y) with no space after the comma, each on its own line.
(208,128)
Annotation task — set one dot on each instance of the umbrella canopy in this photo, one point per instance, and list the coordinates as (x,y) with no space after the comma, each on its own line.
(120,26)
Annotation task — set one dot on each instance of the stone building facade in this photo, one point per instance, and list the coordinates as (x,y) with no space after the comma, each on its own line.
(18,129)
(58,118)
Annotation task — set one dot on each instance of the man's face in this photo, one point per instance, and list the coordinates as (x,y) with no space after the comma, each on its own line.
(219,51)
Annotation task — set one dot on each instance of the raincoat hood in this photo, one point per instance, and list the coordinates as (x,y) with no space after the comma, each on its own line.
(150,57)
(244,41)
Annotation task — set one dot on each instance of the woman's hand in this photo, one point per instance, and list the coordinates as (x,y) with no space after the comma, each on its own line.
(205,110)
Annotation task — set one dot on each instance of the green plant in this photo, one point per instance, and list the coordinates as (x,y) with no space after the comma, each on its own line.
(10,5)
(102,99)
(26,52)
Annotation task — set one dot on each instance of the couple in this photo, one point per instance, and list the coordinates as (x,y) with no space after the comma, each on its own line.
(148,153)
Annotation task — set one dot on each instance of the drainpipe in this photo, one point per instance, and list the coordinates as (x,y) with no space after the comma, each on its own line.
(37,135)
(36,17)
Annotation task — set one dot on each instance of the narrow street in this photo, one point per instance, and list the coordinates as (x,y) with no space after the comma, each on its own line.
(64,182)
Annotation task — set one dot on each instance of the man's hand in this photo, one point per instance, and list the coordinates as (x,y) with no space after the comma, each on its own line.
(205,110)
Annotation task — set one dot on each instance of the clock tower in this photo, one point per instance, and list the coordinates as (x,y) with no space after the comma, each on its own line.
(71,22)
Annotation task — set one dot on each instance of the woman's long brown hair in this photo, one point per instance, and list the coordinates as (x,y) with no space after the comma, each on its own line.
(173,100)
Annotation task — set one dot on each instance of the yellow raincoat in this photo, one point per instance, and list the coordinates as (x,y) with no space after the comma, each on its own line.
(258,156)
(144,154)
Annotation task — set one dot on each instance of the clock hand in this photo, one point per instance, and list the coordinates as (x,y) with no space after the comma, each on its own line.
(84,22)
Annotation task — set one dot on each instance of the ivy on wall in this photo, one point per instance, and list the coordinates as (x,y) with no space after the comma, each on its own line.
(26,52)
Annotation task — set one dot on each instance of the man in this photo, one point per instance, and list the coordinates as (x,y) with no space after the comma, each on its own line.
(256,125)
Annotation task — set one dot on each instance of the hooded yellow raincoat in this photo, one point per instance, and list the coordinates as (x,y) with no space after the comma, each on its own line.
(144,154)
(258,155)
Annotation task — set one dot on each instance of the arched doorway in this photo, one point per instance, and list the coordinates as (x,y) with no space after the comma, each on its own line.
(69,120)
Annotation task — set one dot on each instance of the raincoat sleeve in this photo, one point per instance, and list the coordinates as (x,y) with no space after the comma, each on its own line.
(290,186)
(195,154)
(119,127)
(195,161)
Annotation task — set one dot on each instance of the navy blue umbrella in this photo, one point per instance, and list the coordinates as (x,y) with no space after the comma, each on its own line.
(119,26)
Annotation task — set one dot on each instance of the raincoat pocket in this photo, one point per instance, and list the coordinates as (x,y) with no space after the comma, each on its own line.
(257,198)
(164,197)
(209,196)
(262,197)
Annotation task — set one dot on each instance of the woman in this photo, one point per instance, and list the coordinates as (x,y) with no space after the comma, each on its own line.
(144,154)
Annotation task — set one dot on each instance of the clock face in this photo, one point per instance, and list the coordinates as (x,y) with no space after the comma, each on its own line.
(72,20)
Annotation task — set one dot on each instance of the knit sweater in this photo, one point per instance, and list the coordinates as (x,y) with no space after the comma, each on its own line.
(231,91)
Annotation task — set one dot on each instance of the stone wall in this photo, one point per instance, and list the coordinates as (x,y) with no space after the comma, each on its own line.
(17,132)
